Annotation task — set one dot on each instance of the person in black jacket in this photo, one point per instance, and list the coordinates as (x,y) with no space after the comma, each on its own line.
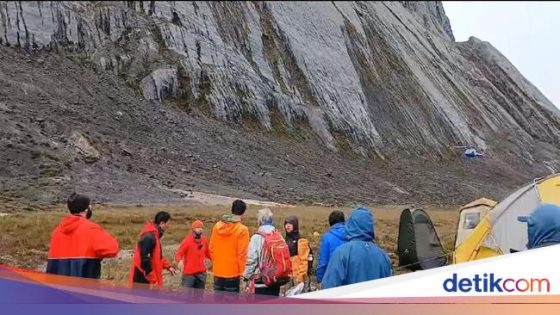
(148,267)
(291,225)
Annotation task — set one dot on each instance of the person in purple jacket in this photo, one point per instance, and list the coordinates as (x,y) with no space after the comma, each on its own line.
(335,237)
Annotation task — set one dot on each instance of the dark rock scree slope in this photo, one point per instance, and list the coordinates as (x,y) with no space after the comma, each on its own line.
(291,101)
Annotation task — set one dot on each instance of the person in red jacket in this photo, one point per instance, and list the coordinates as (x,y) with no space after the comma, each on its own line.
(148,262)
(77,244)
(193,252)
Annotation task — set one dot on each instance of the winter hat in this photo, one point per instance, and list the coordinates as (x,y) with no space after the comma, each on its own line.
(197,224)
(78,203)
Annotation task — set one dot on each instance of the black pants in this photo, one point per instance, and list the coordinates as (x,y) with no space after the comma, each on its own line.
(226,284)
(274,290)
(139,277)
(197,281)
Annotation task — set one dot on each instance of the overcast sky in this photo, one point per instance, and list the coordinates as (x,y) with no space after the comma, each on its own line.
(527,33)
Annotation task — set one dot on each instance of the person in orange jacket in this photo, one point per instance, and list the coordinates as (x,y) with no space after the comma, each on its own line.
(77,244)
(229,243)
(148,262)
(193,253)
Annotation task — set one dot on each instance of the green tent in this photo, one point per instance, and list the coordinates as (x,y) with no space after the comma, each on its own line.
(419,246)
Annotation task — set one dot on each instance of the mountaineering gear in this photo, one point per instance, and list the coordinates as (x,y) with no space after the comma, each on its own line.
(543,226)
(255,252)
(228,247)
(470,215)
(330,241)
(193,251)
(146,244)
(268,261)
(360,259)
(293,236)
(419,246)
(499,232)
(276,266)
(78,246)
(197,224)
(300,252)
(301,262)
(147,260)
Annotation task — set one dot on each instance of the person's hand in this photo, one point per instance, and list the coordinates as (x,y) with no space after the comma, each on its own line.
(172,270)
(151,277)
(208,263)
(244,286)
(180,265)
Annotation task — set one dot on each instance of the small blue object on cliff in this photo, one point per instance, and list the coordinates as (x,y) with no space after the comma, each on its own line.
(471,152)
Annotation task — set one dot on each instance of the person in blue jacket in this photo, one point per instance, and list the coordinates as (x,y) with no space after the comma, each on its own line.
(360,259)
(335,237)
(543,226)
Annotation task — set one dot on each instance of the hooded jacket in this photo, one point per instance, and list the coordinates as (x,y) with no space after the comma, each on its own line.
(193,251)
(157,261)
(335,237)
(228,247)
(77,247)
(292,239)
(543,226)
(256,251)
(360,259)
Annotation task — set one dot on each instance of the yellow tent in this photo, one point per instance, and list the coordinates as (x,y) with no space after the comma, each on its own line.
(470,216)
(499,232)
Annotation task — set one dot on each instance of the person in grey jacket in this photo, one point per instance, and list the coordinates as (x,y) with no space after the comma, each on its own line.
(255,254)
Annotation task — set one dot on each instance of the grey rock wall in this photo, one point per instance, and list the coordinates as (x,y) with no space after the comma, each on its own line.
(382,77)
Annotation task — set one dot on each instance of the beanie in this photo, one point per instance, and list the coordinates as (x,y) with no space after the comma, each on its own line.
(77,203)
(197,224)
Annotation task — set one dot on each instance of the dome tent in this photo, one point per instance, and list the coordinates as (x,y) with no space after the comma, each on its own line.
(470,216)
(499,232)
(419,246)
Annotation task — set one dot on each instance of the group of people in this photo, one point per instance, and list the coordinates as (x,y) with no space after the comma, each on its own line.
(261,263)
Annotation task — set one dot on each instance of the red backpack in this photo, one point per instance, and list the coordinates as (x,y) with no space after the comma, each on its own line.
(276,267)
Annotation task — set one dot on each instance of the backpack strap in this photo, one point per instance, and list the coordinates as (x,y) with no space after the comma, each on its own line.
(264,234)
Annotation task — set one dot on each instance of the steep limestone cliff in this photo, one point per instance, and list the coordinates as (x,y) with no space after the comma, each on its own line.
(387,76)
(383,79)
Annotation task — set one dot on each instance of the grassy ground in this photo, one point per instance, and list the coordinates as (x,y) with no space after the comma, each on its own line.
(25,236)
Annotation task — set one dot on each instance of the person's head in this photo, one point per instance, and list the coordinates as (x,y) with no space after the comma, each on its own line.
(79,205)
(335,217)
(291,224)
(197,227)
(543,225)
(238,207)
(264,217)
(162,219)
(360,225)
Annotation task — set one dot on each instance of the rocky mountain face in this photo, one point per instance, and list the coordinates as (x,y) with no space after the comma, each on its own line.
(382,82)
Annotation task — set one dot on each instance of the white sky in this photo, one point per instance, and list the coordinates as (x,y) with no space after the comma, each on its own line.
(527,33)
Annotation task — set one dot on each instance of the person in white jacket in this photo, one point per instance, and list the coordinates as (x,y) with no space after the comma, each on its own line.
(255,254)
